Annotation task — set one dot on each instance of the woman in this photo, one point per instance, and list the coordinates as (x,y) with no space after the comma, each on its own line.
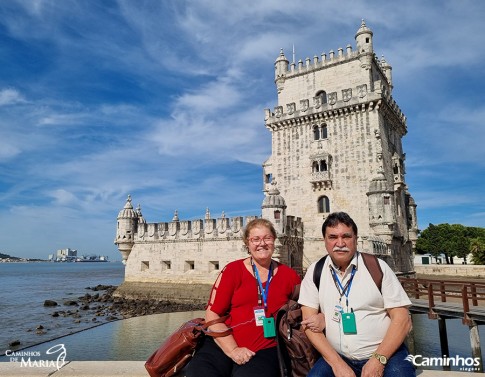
(251,291)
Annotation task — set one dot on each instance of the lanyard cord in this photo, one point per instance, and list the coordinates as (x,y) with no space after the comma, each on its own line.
(343,290)
(262,293)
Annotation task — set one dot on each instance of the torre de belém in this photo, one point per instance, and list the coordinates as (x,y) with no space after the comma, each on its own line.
(336,146)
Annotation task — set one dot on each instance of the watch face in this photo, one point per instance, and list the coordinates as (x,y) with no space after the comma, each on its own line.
(382,359)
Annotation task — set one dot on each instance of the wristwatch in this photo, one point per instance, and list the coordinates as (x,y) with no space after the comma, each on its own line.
(382,359)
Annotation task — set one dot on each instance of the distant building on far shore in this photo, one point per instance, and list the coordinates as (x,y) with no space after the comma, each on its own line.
(63,255)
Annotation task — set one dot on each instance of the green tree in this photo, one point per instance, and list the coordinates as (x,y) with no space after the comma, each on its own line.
(451,240)
(458,244)
(477,248)
(432,240)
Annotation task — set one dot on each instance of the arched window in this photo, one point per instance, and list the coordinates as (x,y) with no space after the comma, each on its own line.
(315,167)
(316,133)
(323,165)
(323,132)
(323,205)
(320,132)
(323,95)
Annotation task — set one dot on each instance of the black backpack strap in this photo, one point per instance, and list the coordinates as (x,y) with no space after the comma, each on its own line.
(370,262)
(374,268)
(317,272)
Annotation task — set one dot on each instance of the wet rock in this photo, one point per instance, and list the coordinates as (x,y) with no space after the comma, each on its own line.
(40,327)
(101,287)
(112,309)
(14,343)
(50,303)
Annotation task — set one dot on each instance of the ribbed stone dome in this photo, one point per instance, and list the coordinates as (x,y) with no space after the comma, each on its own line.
(141,219)
(273,199)
(127,212)
(379,183)
(411,199)
(281,57)
(363,29)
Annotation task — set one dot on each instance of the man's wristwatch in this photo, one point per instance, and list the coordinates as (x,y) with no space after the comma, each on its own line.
(382,359)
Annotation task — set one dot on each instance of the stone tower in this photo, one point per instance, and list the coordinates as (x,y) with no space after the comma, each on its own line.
(125,229)
(337,146)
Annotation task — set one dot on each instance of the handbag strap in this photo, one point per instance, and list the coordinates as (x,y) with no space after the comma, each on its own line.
(216,334)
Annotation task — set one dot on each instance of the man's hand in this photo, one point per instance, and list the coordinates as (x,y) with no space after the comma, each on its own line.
(373,368)
(343,370)
(314,323)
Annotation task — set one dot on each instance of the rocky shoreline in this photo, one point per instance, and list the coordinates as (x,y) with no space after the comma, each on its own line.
(97,307)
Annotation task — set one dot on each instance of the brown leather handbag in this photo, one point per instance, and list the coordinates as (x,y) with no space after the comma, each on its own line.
(177,350)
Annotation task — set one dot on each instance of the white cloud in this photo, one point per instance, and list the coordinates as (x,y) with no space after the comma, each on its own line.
(10,97)
(63,197)
(158,98)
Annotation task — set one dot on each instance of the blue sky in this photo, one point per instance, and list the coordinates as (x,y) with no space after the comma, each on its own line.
(164,100)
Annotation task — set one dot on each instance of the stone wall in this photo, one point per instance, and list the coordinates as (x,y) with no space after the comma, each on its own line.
(452,270)
(177,293)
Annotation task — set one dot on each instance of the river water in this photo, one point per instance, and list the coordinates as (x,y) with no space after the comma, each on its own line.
(25,287)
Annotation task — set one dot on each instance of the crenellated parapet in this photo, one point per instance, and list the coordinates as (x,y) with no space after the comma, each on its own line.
(192,230)
(364,53)
(188,251)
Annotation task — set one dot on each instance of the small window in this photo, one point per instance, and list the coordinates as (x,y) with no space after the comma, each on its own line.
(315,167)
(277,216)
(145,265)
(323,204)
(316,133)
(323,95)
(268,178)
(324,131)
(189,265)
(166,265)
(320,132)
(387,200)
(323,165)
(214,266)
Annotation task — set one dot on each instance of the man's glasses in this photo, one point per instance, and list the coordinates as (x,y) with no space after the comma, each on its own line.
(268,240)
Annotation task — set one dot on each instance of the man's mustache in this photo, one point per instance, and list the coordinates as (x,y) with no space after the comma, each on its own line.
(341,249)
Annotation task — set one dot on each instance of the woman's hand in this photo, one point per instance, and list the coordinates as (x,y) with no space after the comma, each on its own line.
(314,323)
(241,355)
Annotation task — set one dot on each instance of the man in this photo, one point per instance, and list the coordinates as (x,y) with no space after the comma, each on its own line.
(365,329)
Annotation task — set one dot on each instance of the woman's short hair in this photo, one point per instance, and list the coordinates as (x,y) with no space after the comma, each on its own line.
(255,223)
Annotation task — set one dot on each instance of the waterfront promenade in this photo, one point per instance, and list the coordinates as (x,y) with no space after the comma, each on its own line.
(133,369)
